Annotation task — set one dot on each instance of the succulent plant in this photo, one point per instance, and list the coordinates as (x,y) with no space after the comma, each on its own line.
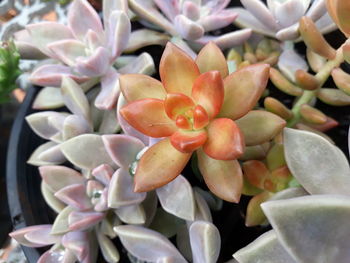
(190,20)
(280,19)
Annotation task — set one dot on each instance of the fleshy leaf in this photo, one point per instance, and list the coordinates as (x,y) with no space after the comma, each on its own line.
(319,166)
(42,236)
(108,96)
(61,226)
(132,214)
(50,199)
(48,98)
(67,50)
(108,249)
(333,97)
(75,196)
(19,235)
(255,216)
(80,221)
(187,28)
(188,141)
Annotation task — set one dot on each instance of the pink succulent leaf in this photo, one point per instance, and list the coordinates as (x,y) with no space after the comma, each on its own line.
(146,244)
(103,172)
(93,40)
(142,64)
(44,33)
(57,177)
(177,198)
(216,5)
(219,20)
(57,121)
(191,10)
(108,249)
(74,98)
(118,33)
(122,148)
(80,221)
(82,17)
(42,236)
(67,50)
(132,214)
(75,125)
(171,8)
(19,235)
(78,243)
(228,40)
(51,75)
(40,124)
(95,65)
(48,98)
(50,199)
(205,242)
(58,255)
(109,6)
(74,196)
(61,226)
(34,158)
(52,155)
(288,33)
(187,28)
(121,190)
(94,189)
(289,12)
(102,204)
(108,96)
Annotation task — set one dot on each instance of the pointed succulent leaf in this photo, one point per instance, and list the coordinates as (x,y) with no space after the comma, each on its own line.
(50,199)
(19,235)
(108,96)
(103,173)
(265,248)
(67,50)
(218,20)
(275,106)
(243,89)
(176,104)
(321,169)
(312,115)
(154,245)
(188,141)
(142,64)
(132,214)
(342,80)
(150,205)
(165,223)
(144,37)
(187,28)
(289,12)
(61,225)
(78,243)
(34,158)
(120,191)
(268,125)
(75,196)
(159,165)
(211,58)
(224,178)
(177,70)
(202,208)
(42,236)
(80,221)
(86,151)
(95,65)
(58,177)
(205,242)
(255,216)
(48,98)
(256,173)
(333,97)
(109,251)
(284,84)
(256,152)
(177,198)
(315,61)
(289,62)
(74,126)
(294,223)
(53,155)
(275,157)
(306,80)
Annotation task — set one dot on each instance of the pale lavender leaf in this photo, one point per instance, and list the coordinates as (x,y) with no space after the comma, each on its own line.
(75,98)
(108,223)
(325,24)
(108,96)
(102,204)
(214,202)
(142,64)
(146,244)
(121,190)
(93,40)
(261,12)
(25,46)
(191,10)
(109,251)
(19,235)
(205,242)
(317,10)
(52,201)
(95,65)
(103,173)
(34,158)
(165,223)
(177,198)
(219,20)
(55,256)
(52,155)
(42,236)
(67,50)
(45,33)
(48,98)
(289,62)
(202,209)
(94,189)
(289,12)
(61,226)
(118,33)
(187,28)
(78,243)
(265,248)
(51,75)
(109,123)
(80,221)
(58,177)
(144,37)
(319,166)
(288,33)
(150,206)
(109,6)
(86,151)
(216,5)
(74,126)
(312,228)
(82,17)
(170,8)
(122,148)
(133,214)
(74,196)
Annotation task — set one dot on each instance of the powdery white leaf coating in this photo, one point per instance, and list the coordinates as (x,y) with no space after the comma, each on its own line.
(52,201)
(132,214)
(61,225)
(48,98)
(177,198)
(35,157)
(265,248)
(319,166)
(82,151)
(20,235)
(313,229)
(205,242)
(146,244)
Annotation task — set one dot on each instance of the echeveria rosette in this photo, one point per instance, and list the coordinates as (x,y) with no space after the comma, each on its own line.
(194,108)
(280,18)
(191,20)
(86,48)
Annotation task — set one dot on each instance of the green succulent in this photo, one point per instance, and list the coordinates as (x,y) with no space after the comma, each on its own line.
(9,69)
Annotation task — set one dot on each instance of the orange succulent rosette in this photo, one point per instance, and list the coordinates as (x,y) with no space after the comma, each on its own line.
(193,108)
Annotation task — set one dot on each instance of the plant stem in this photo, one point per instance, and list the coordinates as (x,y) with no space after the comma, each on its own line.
(322,77)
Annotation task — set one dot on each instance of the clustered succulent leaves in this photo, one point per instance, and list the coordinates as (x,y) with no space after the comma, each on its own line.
(146,160)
